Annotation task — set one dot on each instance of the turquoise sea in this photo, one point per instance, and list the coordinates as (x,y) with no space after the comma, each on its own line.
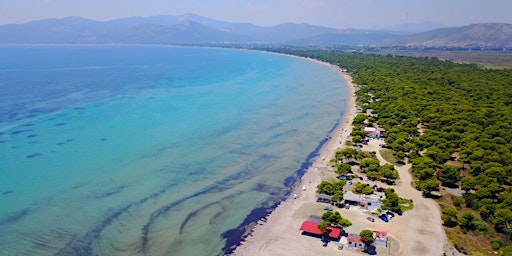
(152,150)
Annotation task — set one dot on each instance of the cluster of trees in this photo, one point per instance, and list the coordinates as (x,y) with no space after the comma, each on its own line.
(368,163)
(347,155)
(334,189)
(330,218)
(392,200)
(374,171)
(451,121)
(467,220)
(362,188)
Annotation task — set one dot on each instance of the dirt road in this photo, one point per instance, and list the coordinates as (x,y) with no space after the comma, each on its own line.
(419,231)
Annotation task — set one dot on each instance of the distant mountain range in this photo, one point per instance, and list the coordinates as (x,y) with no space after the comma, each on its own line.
(191,28)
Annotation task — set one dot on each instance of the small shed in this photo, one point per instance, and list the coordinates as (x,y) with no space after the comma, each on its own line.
(355,241)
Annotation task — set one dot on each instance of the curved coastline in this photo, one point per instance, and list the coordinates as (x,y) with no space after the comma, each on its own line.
(244,239)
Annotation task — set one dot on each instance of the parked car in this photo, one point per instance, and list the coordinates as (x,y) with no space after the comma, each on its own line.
(371,219)
(390,182)
(324,242)
(328,208)
(390,214)
(349,182)
(384,217)
(347,206)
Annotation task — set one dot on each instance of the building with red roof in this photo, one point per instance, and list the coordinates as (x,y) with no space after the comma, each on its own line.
(311,228)
(381,239)
(355,241)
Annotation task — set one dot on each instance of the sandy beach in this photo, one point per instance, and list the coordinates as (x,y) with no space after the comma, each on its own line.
(417,232)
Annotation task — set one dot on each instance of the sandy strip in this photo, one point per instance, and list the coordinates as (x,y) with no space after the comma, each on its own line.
(279,233)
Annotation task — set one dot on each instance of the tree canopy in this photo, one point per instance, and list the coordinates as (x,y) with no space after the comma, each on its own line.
(367,237)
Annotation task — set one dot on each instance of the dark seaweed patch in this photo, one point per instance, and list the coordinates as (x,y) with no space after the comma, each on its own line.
(28,124)
(290,181)
(60,124)
(69,140)
(32,142)
(32,136)
(235,236)
(194,213)
(220,186)
(42,110)
(2,133)
(33,155)
(20,131)
(83,245)
(12,115)
(15,217)
(7,192)
(51,119)
(110,193)
(61,143)
(3,141)
(103,139)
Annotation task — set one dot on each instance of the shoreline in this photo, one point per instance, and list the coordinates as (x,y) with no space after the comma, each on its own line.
(282,215)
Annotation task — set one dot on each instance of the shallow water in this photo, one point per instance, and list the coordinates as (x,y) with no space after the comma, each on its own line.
(156,150)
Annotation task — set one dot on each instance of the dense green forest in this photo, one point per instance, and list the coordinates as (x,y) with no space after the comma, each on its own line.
(452,122)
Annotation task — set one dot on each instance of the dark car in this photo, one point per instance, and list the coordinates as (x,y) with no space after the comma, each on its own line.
(371,219)
(328,208)
(390,182)
(384,217)
(324,242)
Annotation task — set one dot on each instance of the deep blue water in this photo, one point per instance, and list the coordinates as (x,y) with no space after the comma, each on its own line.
(155,150)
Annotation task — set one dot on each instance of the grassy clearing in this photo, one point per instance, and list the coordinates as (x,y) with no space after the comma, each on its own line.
(387,154)
(405,204)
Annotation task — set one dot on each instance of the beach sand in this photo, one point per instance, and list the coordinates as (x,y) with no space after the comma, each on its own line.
(417,232)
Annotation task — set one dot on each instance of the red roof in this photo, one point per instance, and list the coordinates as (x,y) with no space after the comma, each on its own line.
(312,227)
(380,234)
(355,239)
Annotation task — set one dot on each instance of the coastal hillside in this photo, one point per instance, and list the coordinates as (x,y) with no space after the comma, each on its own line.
(483,34)
(187,28)
(190,28)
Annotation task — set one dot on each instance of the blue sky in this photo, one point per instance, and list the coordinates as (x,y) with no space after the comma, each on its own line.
(366,14)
